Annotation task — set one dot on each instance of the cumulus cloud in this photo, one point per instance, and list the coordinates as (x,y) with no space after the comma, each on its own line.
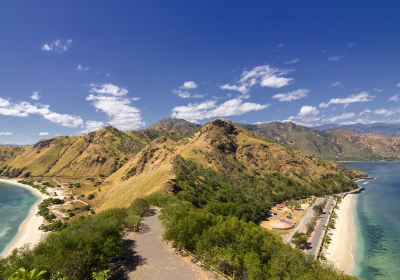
(35,95)
(25,109)
(353,98)
(263,75)
(395,98)
(43,133)
(185,90)
(189,85)
(81,68)
(5,133)
(57,46)
(292,95)
(308,112)
(113,101)
(195,112)
(92,126)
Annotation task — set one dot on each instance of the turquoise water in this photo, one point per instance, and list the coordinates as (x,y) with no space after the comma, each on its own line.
(378,222)
(14,207)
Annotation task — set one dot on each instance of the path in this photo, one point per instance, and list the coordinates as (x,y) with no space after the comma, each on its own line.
(158,259)
(307,218)
(320,228)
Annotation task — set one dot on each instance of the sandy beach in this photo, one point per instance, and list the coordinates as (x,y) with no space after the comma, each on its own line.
(28,232)
(341,250)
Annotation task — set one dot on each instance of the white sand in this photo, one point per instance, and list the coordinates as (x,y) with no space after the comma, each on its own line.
(342,247)
(28,232)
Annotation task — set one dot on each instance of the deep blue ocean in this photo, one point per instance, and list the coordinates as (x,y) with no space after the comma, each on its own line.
(15,203)
(378,221)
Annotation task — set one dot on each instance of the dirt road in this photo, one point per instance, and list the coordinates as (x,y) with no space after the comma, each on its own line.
(158,259)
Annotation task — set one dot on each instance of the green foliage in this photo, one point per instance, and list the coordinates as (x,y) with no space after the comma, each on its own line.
(23,274)
(300,240)
(101,275)
(86,245)
(91,196)
(140,206)
(213,216)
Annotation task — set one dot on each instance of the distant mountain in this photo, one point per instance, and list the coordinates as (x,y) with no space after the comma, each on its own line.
(373,128)
(336,144)
(170,127)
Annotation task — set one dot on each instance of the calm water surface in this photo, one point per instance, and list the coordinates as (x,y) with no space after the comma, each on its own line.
(378,220)
(15,203)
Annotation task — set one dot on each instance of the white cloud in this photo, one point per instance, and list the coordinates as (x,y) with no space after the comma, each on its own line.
(92,126)
(108,89)
(5,133)
(395,98)
(308,112)
(354,98)
(293,61)
(335,58)
(81,68)
(186,94)
(25,109)
(336,84)
(189,85)
(113,101)
(292,95)
(349,45)
(344,116)
(58,46)
(184,91)
(195,112)
(280,45)
(398,85)
(263,75)
(384,112)
(43,133)
(35,95)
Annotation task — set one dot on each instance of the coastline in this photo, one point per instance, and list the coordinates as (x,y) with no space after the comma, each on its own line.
(341,250)
(28,231)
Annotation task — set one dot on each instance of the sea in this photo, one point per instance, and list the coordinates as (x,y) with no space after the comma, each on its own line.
(15,204)
(377,216)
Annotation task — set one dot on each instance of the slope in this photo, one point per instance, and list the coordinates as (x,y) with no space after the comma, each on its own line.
(95,154)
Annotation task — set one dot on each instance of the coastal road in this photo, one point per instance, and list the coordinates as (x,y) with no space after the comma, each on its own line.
(320,228)
(307,218)
(159,261)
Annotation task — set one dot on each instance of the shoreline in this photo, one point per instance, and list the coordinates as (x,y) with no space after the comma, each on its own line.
(28,231)
(341,250)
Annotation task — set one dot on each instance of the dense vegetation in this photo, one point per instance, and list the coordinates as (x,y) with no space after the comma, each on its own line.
(213,216)
(86,246)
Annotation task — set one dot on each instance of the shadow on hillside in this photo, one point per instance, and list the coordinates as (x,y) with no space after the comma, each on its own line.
(127,261)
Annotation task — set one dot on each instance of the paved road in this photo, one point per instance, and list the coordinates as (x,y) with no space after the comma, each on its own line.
(158,259)
(308,216)
(320,228)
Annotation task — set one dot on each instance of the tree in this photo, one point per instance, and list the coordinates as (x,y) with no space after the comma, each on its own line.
(300,240)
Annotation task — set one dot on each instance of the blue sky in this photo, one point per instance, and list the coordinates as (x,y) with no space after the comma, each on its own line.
(68,67)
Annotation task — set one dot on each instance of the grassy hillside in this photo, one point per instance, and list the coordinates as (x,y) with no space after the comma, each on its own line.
(94,154)
(224,148)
